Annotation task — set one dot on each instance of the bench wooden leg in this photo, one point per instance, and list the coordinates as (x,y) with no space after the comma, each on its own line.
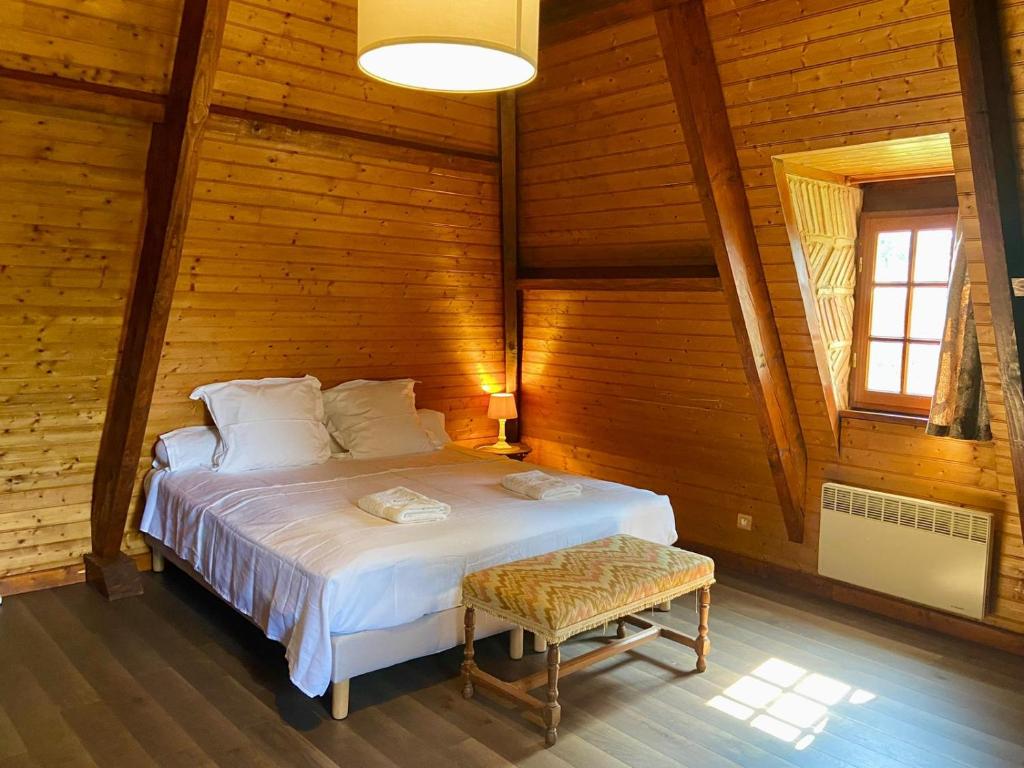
(467,660)
(703,645)
(553,710)
(620,630)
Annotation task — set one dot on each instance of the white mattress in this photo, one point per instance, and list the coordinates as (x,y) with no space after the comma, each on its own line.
(290,549)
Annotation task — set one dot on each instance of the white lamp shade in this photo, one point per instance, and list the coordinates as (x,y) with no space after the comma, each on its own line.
(461,46)
(502,406)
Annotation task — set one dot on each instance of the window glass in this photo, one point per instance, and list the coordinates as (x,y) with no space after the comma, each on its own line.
(934,250)
(892,260)
(888,311)
(928,312)
(922,365)
(885,364)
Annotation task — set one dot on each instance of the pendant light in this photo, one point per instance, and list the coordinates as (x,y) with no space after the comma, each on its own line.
(458,46)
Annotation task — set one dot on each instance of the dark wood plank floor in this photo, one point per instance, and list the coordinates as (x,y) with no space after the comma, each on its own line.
(176,678)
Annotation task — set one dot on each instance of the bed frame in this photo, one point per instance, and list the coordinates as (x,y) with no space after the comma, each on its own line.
(363,652)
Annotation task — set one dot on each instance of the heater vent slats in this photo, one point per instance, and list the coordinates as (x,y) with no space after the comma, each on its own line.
(939,519)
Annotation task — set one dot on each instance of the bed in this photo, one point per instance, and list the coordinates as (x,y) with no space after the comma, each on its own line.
(348,593)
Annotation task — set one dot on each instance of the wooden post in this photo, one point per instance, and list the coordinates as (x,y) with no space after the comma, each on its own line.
(700,103)
(995,163)
(703,645)
(170,177)
(468,665)
(553,710)
(509,245)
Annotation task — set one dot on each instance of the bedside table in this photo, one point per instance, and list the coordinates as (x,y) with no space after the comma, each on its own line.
(517,451)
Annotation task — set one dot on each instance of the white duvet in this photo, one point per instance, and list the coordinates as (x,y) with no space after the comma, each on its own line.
(290,549)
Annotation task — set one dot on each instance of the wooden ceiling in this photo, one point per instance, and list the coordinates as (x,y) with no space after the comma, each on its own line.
(916,156)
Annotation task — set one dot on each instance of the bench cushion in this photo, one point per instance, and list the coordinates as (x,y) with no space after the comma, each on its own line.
(571,590)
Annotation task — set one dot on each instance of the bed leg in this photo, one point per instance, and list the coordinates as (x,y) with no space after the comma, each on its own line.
(515,643)
(664,607)
(339,699)
(158,558)
(539,643)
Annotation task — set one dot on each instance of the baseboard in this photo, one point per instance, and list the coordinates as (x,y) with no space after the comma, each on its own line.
(56,577)
(884,605)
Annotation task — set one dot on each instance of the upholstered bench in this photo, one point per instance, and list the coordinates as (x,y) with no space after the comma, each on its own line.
(569,591)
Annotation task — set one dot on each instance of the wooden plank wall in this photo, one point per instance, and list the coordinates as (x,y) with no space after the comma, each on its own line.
(127,44)
(644,388)
(345,259)
(297,58)
(70,218)
(605,177)
(791,85)
(305,251)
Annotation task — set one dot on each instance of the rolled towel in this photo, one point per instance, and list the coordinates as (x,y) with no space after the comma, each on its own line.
(402,505)
(537,485)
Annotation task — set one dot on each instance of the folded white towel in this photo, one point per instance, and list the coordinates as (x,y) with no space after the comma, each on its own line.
(402,505)
(537,485)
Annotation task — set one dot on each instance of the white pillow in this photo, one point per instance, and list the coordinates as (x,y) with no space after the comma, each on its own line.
(373,419)
(186,448)
(267,423)
(433,423)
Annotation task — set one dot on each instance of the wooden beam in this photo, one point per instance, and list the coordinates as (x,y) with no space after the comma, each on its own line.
(509,242)
(332,129)
(697,89)
(54,91)
(170,177)
(995,163)
(646,254)
(654,278)
(562,20)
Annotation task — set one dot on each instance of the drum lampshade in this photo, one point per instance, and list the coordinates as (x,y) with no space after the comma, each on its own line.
(460,46)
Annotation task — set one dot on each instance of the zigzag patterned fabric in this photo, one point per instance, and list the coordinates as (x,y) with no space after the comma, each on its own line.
(571,590)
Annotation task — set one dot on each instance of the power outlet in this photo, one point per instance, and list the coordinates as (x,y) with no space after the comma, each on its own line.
(745,522)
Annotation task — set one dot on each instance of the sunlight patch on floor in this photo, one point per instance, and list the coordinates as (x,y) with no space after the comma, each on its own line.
(786,701)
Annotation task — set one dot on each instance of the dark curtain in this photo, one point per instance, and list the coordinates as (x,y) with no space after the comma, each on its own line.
(959,409)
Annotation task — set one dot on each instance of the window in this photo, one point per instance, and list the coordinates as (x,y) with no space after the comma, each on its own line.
(901,308)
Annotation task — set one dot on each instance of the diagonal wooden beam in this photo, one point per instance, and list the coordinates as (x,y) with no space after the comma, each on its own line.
(995,163)
(170,177)
(693,73)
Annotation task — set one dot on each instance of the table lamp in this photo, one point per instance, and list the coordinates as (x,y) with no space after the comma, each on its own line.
(502,406)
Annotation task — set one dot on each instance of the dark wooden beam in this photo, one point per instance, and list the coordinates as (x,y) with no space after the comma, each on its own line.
(653,278)
(649,254)
(511,299)
(995,163)
(295,124)
(170,177)
(54,91)
(562,20)
(697,89)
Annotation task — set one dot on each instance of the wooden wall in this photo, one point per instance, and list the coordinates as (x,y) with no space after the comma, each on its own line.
(122,43)
(352,251)
(644,388)
(790,85)
(308,253)
(605,176)
(70,212)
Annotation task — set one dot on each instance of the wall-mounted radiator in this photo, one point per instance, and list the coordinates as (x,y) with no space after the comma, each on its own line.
(929,553)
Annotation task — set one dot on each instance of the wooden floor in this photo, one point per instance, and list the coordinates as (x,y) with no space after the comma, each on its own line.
(176,678)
